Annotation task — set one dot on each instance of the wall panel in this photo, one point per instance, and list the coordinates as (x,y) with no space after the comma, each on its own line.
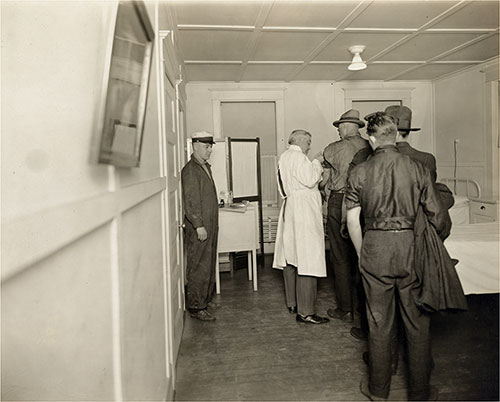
(141,302)
(57,326)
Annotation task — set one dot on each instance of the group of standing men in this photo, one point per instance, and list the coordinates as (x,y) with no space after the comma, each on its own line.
(374,189)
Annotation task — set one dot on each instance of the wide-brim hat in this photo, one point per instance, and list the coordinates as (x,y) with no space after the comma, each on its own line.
(203,136)
(351,116)
(403,114)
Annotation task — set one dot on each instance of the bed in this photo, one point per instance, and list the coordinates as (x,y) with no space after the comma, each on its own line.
(475,246)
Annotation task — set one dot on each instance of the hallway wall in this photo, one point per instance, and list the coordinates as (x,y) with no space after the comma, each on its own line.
(467,110)
(314,106)
(84,304)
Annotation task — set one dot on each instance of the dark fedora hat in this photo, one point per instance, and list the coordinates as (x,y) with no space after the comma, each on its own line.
(403,114)
(351,116)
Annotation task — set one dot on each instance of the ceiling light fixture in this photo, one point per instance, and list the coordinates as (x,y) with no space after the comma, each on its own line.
(357,63)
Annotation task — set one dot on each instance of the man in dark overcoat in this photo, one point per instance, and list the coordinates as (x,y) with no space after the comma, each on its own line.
(388,189)
(201,220)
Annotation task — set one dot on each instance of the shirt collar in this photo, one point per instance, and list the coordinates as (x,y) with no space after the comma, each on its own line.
(295,148)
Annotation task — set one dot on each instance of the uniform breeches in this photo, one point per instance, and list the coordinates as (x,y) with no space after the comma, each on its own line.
(200,269)
(344,259)
(388,277)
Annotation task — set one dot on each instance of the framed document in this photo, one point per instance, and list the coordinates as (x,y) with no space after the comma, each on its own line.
(127,86)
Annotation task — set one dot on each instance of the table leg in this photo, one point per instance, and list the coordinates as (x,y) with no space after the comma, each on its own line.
(254,266)
(217,274)
(249,262)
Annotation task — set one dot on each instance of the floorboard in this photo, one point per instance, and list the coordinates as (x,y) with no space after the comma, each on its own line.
(256,351)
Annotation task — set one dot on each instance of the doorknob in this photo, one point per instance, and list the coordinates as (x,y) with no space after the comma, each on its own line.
(182,225)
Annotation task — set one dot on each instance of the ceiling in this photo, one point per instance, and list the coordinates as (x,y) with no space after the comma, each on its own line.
(304,40)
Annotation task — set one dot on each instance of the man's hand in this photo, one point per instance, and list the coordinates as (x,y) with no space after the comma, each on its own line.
(319,156)
(202,233)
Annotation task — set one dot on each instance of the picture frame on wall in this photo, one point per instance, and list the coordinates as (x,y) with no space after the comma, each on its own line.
(127,84)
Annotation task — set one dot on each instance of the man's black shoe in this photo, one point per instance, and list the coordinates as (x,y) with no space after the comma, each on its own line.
(292,310)
(340,315)
(359,334)
(312,319)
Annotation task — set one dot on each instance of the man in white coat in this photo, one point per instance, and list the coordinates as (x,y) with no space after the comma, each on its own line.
(300,242)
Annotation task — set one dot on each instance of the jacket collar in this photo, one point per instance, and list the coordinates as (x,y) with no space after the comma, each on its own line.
(198,161)
(403,144)
(386,148)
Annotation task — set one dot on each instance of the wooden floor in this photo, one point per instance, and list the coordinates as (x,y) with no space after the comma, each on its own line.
(257,351)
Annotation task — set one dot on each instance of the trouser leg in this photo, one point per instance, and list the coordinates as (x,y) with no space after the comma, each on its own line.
(306,294)
(380,307)
(360,299)
(417,330)
(290,279)
(200,269)
(379,284)
(344,258)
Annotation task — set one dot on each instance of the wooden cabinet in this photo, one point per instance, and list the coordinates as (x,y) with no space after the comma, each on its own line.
(238,231)
(483,210)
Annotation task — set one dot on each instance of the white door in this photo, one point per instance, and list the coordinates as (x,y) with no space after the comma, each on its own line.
(173,206)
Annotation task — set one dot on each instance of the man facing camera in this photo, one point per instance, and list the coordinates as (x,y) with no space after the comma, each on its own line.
(388,189)
(300,242)
(201,220)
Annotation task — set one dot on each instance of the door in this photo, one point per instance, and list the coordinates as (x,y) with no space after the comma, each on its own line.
(172,203)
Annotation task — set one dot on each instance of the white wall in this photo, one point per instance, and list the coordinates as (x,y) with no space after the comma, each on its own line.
(314,106)
(83,307)
(464,112)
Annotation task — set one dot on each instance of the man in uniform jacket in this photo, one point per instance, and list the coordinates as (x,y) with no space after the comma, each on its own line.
(338,156)
(201,220)
(389,188)
(300,239)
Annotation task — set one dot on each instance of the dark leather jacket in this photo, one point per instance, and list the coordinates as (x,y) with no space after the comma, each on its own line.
(390,187)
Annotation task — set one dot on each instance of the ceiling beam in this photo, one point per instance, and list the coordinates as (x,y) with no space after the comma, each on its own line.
(435,59)
(264,11)
(445,14)
(355,13)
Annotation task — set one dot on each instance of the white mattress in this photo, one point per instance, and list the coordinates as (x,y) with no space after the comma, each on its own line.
(460,212)
(476,246)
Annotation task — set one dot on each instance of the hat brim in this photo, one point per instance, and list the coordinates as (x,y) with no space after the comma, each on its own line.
(360,123)
(206,140)
(409,129)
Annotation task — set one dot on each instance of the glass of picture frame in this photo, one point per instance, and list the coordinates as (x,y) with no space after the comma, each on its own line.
(127,86)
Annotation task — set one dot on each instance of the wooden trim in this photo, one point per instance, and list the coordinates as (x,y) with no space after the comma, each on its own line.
(44,233)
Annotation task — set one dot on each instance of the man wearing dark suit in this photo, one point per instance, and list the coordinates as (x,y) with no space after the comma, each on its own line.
(403,116)
(201,220)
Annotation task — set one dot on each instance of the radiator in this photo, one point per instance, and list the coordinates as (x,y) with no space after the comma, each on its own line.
(268,179)
(270,216)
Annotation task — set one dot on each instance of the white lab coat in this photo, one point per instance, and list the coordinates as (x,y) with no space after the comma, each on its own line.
(300,238)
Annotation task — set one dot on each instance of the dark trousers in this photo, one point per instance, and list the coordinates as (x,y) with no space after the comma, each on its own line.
(388,277)
(200,267)
(300,290)
(344,259)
